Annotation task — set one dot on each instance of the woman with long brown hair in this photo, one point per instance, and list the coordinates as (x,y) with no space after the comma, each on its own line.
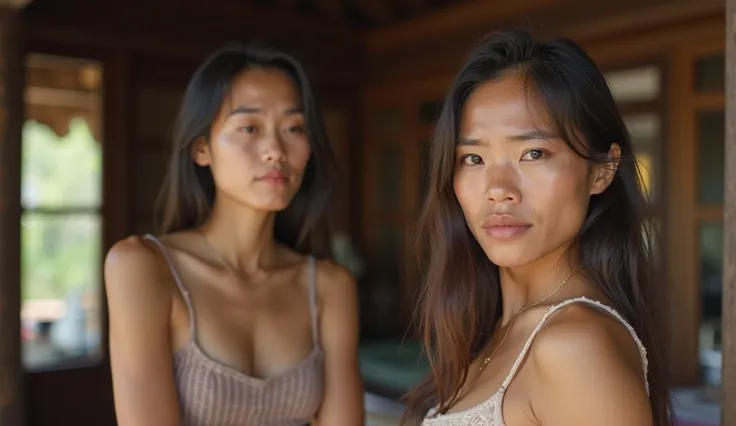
(537,305)
(235,315)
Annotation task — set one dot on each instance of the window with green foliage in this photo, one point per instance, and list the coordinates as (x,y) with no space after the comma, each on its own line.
(61,197)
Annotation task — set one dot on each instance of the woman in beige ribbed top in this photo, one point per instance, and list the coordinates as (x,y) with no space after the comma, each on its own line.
(538,299)
(235,316)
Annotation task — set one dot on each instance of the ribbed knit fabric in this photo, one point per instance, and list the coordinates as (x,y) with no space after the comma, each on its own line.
(213,394)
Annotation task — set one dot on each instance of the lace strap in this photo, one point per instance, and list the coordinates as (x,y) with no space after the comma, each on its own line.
(555,308)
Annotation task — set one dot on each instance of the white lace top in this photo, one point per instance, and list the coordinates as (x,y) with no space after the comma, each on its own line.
(490,411)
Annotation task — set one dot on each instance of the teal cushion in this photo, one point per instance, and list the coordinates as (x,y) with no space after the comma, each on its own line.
(393,364)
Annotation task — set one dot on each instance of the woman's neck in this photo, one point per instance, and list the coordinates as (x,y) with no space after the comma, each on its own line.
(524,285)
(241,236)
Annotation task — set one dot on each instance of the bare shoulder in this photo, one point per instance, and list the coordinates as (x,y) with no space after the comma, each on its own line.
(130,249)
(139,306)
(134,269)
(578,331)
(585,357)
(338,299)
(334,280)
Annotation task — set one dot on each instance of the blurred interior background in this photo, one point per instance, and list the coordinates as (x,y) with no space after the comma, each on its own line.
(90,88)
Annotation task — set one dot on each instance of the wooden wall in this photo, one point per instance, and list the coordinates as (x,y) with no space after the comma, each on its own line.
(729,279)
(11,117)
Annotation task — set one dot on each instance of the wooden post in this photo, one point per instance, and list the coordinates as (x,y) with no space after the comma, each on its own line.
(729,228)
(11,122)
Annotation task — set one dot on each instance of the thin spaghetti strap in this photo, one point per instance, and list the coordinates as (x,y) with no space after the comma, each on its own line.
(177,279)
(555,308)
(313,309)
(524,351)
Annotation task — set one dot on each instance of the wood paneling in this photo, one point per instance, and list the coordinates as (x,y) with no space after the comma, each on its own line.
(237,18)
(425,73)
(631,17)
(156,91)
(378,10)
(337,125)
(416,7)
(668,24)
(681,250)
(729,254)
(193,29)
(449,20)
(116,116)
(12,74)
(72,397)
(651,41)
(331,8)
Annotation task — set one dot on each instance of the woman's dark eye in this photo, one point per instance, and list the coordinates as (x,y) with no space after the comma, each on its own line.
(534,154)
(472,160)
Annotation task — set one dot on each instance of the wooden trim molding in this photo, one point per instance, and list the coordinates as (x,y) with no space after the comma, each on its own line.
(449,20)
(12,76)
(709,101)
(681,248)
(426,69)
(728,417)
(709,214)
(14,4)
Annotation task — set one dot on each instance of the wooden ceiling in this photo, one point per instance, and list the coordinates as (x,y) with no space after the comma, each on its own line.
(363,14)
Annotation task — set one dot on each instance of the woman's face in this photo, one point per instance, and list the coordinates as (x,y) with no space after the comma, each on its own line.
(523,191)
(258,148)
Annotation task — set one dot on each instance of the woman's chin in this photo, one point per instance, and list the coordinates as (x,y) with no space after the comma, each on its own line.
(508,257)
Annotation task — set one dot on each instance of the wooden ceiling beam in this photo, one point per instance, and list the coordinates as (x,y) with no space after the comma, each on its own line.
(290,5)
(665,18)
(641,17)
(416,7)
(101,26)
(220,16)
(449,19)
(380,10)
(330,8)
(14,4)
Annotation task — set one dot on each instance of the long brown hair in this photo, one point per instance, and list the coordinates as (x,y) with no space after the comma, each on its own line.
(188,193)
(460,300)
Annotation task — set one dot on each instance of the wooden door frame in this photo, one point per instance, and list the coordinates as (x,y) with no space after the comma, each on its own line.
(115,226)
(683,204)
(729,253)
(12,81)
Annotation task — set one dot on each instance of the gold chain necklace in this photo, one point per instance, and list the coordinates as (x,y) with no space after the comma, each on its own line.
(487,359)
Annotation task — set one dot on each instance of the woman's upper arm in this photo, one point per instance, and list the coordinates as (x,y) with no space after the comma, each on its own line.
(139,306)
(343,398)
(589,373)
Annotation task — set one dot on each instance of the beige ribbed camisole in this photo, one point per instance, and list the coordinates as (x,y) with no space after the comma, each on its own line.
(213,394)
